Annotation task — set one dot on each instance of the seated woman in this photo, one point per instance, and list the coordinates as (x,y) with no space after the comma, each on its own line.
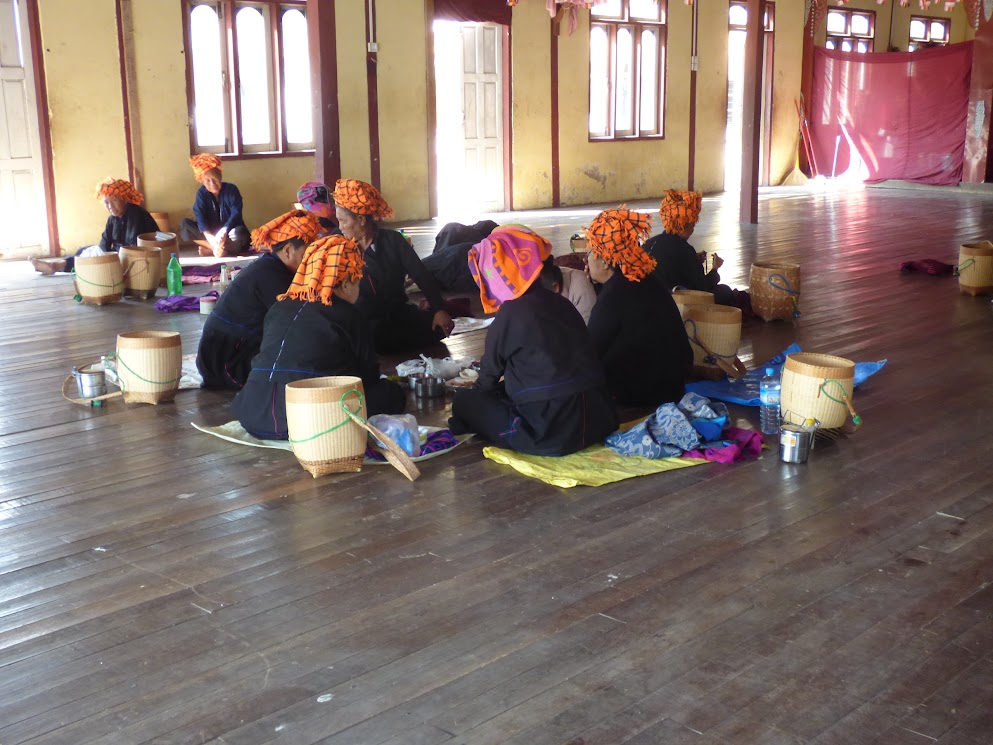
(127,221)
(448,263)
(312,331)
(679,265)
(233,332)
(397,325)
(572,284)
(635,324)
(541,387)
(219,229)
(313,197)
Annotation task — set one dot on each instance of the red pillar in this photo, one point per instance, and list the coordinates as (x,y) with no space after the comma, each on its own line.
(978,164)
(324,88)
(751,125)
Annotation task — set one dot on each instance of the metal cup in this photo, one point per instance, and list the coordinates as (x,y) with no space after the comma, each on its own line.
(90,380)
(794,443)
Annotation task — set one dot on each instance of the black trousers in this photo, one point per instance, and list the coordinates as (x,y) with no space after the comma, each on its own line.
(404,328)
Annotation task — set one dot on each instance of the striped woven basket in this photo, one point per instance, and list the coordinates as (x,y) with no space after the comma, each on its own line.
(324,438)
(975,269)
(775,291)
(142,270)
(99,279)
(167,245)
(815,386)
(714,332)
(686,298)
(149,365)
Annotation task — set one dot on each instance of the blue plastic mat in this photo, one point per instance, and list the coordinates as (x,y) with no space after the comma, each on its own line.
(746,390)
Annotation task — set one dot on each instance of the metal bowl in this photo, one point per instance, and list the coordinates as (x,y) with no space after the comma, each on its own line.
(427,386)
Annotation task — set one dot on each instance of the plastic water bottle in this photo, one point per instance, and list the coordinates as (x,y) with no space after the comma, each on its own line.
(174,276)
(225,277)
(770,388)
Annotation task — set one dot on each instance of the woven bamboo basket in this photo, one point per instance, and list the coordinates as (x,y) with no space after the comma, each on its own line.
(324,438)
(162,220)
(142,270)
(815,386)
(99,279)
(775,291)
(685,298)
(975,269)
(149,365)
(714,332)
(167,246)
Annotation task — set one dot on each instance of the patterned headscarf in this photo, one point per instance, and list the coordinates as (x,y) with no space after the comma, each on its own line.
(296,224)
(615,236)
(313,197)
(203,162)
(119,189)
(679,210)
(361,198)
(327,263)
(506,263)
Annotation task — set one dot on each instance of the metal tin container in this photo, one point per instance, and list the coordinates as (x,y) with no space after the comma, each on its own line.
(427,386)
(90,380)
(795,443)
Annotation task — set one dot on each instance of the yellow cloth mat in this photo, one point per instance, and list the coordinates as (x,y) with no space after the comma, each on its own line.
(595,466)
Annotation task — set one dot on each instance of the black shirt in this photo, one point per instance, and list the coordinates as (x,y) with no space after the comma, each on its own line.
(241,309)
(124,230)
(388,263)
(540,345)
(678,264)
(641,340)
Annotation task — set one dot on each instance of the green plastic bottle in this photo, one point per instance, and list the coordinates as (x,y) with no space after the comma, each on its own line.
(174,276)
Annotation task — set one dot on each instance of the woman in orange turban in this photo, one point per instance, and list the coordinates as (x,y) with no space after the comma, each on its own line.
(128,219)
(541,388)
(397,325)
(233,331)
(635,324)
(313,330)
(219,229)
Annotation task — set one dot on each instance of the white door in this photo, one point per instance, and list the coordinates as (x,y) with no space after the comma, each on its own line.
(22,196)
(468,69)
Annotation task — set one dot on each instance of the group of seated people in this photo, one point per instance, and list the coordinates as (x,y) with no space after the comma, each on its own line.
(328,295)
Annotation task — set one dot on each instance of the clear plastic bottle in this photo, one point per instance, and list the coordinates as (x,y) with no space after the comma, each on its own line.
(770,388)
(174,276)
(225,277)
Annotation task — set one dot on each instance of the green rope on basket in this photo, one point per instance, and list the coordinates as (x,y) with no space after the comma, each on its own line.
(77,278)
(844,400)
(963,266)
(344,408)
(120,381)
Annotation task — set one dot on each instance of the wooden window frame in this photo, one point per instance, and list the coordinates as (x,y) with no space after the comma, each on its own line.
(927,21)
(849,13)
(611,24)
(770,15)
(234,147)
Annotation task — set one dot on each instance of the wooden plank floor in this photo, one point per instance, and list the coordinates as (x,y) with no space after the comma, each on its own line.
(161,586)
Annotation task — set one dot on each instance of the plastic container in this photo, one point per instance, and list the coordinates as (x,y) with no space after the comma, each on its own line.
(174,276)
(225,278)
(770,392)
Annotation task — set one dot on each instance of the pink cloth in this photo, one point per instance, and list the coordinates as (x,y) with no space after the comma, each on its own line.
(902,113)
(506,263)
(745,443)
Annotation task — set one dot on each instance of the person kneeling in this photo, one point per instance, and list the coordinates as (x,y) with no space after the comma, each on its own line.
(232,333)
(312,331)
(635,324)
(552,399)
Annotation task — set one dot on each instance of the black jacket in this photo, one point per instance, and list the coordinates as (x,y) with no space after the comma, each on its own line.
(540,345)
(124,230)
(640,338)
(241,309)
(388,263)
(222,211)
(678,264)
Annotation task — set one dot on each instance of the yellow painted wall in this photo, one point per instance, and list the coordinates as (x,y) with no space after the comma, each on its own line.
(712,85)
(785,88)
(532,108)
(82,73)
(403,127)
(353,89)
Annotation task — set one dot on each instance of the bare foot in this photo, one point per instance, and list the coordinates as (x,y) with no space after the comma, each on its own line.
(205,250)
(47,266)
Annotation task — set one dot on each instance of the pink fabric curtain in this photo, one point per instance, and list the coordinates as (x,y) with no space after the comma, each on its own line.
(891,115)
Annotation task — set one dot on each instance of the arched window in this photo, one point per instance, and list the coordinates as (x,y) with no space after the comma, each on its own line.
(627,69)
(241,100)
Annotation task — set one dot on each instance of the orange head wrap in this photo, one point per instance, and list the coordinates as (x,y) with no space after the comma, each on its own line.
(296,224)
(679,210)
(615,236)
(203,162)
(361,198)
(119,189)
(327,263)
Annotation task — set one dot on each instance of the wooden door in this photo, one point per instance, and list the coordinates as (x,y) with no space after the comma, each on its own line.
(482,100)
(22,196)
